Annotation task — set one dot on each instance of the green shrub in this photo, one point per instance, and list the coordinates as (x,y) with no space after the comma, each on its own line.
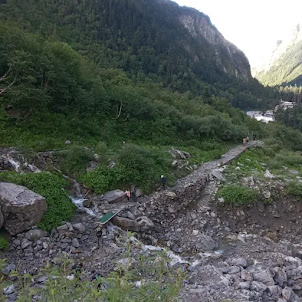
(4,244)
(75,160)
(294,189)
(237,195)
(50,186)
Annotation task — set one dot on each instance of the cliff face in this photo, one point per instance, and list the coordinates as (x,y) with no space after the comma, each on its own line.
(228,57)
(285,64)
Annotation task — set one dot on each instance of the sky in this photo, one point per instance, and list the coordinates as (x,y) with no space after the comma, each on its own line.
(254,26)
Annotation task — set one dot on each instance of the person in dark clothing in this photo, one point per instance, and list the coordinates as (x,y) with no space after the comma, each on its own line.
(133,193)
(254,137)
(163,181)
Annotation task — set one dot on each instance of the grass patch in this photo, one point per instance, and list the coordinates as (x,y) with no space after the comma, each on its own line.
(294,189)
(137,165)
(50,186)
(4,244)
(237,195)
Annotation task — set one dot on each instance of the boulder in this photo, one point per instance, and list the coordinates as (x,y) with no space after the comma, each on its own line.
(114,196)
(264,277)
(204,243)
(217,174)
(125,223)
(144,223)
(21,208)
(36,234)
(1,219)
(177,154)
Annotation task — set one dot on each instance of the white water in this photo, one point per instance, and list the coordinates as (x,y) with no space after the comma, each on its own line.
(79,204)
(16,165)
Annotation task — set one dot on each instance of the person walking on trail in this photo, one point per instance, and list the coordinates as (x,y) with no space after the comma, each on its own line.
(244,141)
(133,193)
(247,139)
(127,194)
(163,181)
(254,137)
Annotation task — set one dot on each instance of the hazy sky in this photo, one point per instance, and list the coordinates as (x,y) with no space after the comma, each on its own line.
(254,26)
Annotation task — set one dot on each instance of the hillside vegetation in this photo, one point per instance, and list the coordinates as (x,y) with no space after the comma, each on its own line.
(147,41)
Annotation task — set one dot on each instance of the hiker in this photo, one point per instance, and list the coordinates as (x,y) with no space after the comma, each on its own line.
(254,137)
(163,181)
(247,139)
(127,194)
(133,193)
(244,141)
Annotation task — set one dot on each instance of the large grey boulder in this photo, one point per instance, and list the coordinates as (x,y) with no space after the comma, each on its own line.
(1,219)
(21,208)
(114,196)
(125,223)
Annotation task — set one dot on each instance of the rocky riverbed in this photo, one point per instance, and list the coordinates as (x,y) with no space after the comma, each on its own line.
(228,253)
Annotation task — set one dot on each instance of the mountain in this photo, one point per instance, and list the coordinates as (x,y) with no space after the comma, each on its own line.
(158,40)
(285,65)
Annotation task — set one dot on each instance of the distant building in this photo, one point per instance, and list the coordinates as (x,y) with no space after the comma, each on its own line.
(285,105)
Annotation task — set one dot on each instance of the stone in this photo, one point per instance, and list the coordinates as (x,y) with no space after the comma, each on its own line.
(239,262)
(91,166)
(67,142)
(1,219)
(280,276)
(9,290)
(268,174)
(287,294)
(75,243)
(125,223)
(294,172)
(204,243)
(245,275)
(275,291)
(45,245)
(21,208)
(114,196)
(177,154)
(36,234)
(25,243)
(244,285)
(267,194)
(8,268)
(216,173)
(144,223)
(258,286)
(264,277)
(79,227)
(195,232)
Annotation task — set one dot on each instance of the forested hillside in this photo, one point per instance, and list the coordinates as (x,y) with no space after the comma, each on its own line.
(176,47)
(285,67)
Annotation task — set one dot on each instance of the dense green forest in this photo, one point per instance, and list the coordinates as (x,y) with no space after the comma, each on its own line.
(143,38)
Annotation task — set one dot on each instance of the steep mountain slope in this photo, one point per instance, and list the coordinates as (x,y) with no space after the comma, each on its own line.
(285,65)
(176,46)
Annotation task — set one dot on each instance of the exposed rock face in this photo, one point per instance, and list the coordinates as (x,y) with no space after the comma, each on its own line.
(114,196)
(1,219)
(21,207)
(200,26)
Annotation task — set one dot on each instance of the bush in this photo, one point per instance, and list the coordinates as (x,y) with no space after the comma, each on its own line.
(294,189)
(75,160)
(4,244)
(237,195)
(50,186)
